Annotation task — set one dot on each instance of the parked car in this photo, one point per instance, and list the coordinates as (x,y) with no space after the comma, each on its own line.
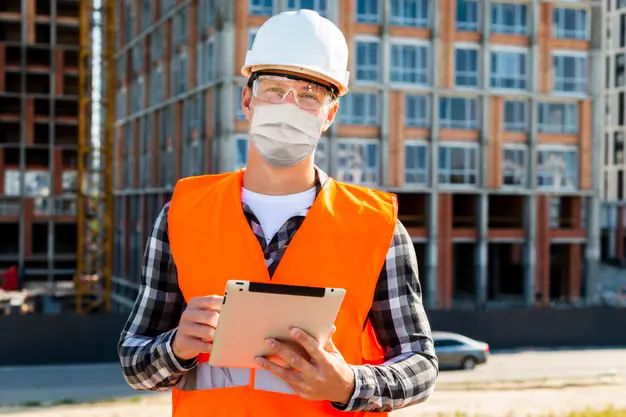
(456,351)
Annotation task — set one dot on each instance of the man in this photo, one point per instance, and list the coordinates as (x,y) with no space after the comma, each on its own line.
(283,220)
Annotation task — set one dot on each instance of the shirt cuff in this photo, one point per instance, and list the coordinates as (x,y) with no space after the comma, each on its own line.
(360,395)
(181,365)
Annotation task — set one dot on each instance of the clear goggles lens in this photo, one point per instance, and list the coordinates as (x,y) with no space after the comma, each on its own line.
(276,89)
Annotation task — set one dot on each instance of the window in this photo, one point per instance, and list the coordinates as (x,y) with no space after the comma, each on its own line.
(514,166)
(206,15)
(175,76)
(416,110)
(238,112)
(607,74)
(515,119)
(12,182)
(321,155)
(261,7)
(359,109)
(180,27)
(358,161)
(439,343)
(251,35)
(606,149)
(558,118)
(166,5)
(509,18)
(621,109)
(367,11)
(121,103)
(137,58)
(156,44)
(509,69)
(194,158)
(69,182)
(458,113)
(458,164)
(415,162)
(620,69)
(156,91)
(466,66)
(210,60)
(367,60)
(618,148)
(317,5)
(409,63)
(557,167)
(412,13)
(622,29)
(147,17)
(570,72)
(467,15)
(241,152)
(206,62)
(570,23)
(120,70)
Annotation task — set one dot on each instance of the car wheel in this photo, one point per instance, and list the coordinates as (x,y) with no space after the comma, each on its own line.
(468,363)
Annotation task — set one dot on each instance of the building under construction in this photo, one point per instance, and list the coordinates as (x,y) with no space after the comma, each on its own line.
(39,129)
(484,116)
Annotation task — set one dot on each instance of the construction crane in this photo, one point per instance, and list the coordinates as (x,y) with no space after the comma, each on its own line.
(95,156)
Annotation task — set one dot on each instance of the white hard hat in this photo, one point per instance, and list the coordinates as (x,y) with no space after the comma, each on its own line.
(302,42)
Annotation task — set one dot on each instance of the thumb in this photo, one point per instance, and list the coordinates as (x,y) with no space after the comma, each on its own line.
(330,345)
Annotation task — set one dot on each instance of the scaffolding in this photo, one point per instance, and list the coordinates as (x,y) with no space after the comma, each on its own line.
(95,154)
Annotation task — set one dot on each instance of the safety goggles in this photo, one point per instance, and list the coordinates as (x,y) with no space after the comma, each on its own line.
(275,89)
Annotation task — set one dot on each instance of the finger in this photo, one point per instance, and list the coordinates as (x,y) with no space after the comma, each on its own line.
(330,345)
(309,343)
(292,358)
(210,302)
(199,331)
(291,377)
(209,318)
(196,345)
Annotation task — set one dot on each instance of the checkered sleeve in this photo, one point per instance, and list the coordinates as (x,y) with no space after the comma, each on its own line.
(145,345)
(408,375)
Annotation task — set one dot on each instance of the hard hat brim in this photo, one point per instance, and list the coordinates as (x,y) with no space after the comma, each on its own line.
(297,69)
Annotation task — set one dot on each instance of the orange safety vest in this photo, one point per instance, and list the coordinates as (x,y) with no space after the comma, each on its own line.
(342,242)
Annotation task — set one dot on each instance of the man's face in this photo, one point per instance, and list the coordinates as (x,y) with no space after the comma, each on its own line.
(275,89)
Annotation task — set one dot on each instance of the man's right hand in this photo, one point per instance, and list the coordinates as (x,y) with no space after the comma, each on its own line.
(197,327)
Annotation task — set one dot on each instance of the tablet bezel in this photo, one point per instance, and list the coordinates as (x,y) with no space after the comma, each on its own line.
(269,310)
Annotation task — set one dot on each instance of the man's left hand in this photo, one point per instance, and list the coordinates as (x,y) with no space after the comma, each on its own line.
(325,376)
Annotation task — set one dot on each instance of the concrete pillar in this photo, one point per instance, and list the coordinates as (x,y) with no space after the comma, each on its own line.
(481,252)
(432,251)
(385,67)
(530,210)
(530,251)
(224,144)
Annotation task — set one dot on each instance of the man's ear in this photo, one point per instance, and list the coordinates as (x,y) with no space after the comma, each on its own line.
(330,117)
(246,99)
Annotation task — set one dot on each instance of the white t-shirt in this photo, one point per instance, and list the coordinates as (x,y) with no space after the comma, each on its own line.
(273,211)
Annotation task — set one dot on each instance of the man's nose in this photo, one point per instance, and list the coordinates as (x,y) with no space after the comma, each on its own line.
(290,97)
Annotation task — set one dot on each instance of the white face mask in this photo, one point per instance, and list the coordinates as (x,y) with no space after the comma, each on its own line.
(284,134)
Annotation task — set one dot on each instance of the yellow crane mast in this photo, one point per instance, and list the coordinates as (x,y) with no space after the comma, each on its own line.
(95,156)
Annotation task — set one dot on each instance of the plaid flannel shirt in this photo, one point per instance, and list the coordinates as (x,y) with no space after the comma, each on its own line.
(410,370)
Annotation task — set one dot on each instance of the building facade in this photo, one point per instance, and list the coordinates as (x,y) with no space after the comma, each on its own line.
(39,82)
(481,115)
(613,214)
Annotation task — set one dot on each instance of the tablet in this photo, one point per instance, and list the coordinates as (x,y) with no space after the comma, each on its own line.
(253,311)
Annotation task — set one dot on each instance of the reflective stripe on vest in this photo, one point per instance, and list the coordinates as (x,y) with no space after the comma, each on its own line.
(211,242)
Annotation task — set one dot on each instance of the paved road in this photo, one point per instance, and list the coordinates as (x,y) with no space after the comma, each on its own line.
(536,365)
(92,382)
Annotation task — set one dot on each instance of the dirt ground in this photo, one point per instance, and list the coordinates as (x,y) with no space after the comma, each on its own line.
(496,403)
(528,383)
